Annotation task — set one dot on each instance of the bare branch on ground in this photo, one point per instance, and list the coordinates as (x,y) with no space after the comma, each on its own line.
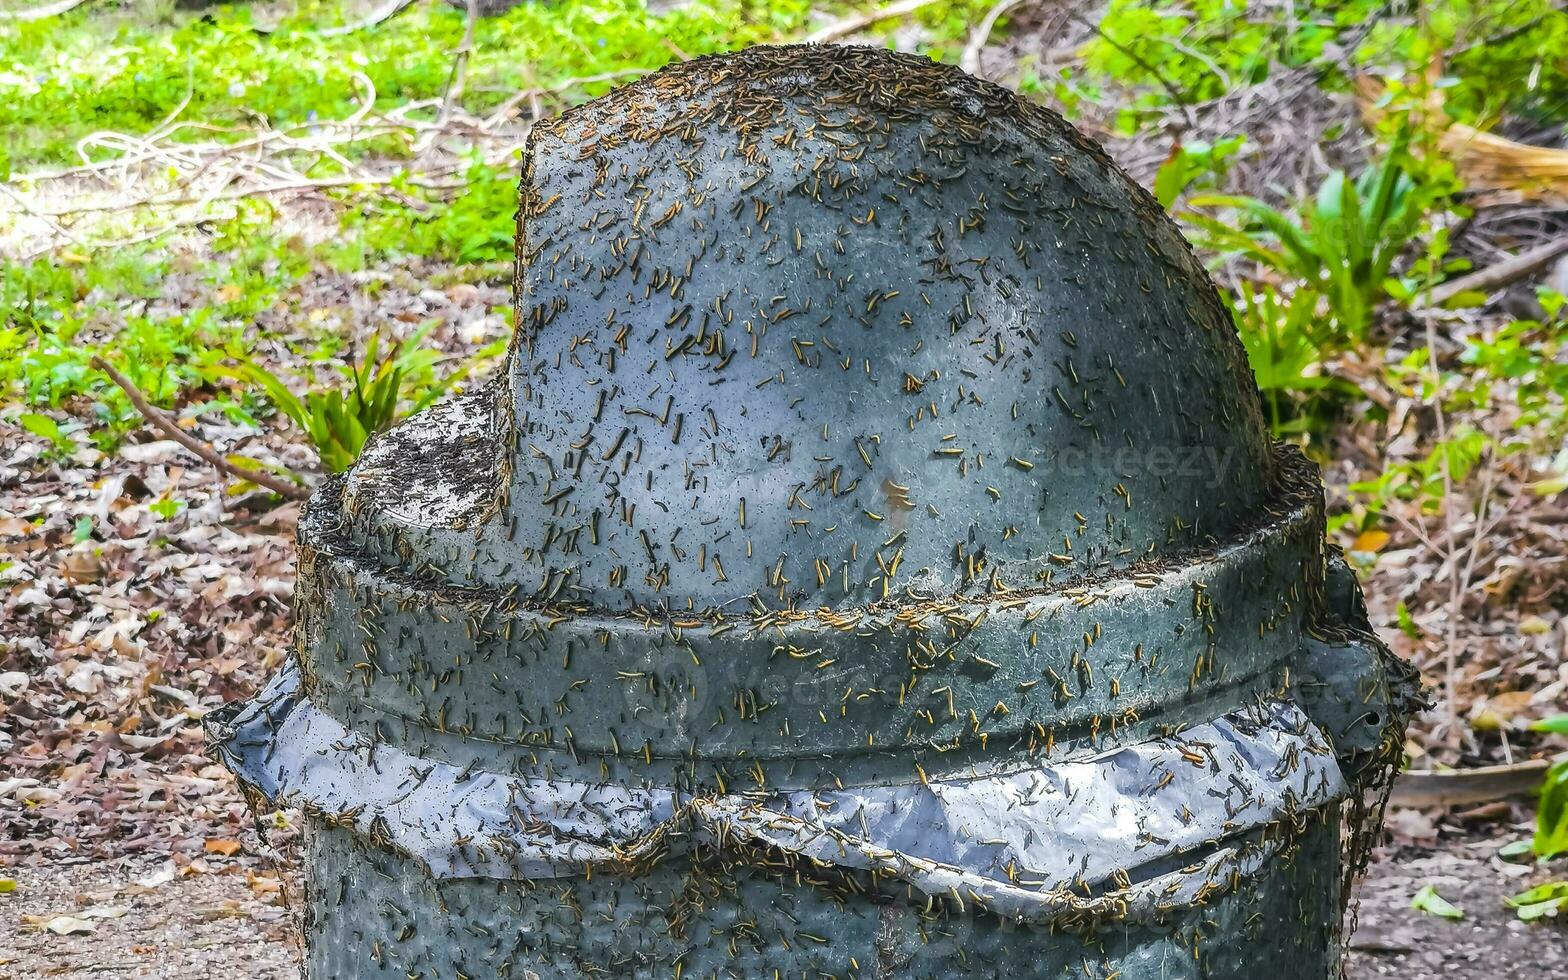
(1500,274)
(161,421)
(458,79)
(1463,787)
(380,15)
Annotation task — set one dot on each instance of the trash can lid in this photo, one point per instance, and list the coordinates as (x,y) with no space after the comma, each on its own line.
(810,326)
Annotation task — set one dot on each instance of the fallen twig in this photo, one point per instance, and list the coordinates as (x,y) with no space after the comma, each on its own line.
(507,110)
(970,61)
(43,216)
(1500,274)
(259,190)
(160,171)
(42,13)
(380,15)
(159,420)
(859,22)
(1460,787)
(456,81)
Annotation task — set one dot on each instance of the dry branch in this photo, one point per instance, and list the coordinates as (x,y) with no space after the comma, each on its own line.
(42,13)
(159,420)
(458,79)
(1461,787)
(859,22)
(970,61)
(380,15)
(1500,274)
(180,167)
(1485,160)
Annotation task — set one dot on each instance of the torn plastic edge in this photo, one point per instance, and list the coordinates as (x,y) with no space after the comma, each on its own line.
(1104,834)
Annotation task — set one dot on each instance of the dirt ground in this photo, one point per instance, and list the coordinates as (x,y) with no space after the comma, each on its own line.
(231,919)
(141,917)
(1394,940)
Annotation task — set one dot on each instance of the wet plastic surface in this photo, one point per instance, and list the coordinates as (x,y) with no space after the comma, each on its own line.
(870,562)
(1125,816)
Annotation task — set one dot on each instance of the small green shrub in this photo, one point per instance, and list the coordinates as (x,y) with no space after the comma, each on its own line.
(371,395)
(1343,243)
(1194,163)
(1533,358)
(1551,834)
(1524,419)
(1190,51)
(47,428)
(63,310)
(1551,815)
(1424,481)
(1498,55)
(1286,348)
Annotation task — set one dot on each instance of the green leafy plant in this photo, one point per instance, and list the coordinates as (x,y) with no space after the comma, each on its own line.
(1509,72)
(166,507)
(1529,355)
(1286,346)
(1342,243)
(47,428)
(1551,834)
(1195,163)
(1525,354)
(371,395)
(476,226)
(1429,901)
(1421,480)
(65,309)
(1189,51)
(1540,902)
(1551,816)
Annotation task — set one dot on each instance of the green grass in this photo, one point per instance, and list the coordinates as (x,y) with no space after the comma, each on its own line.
(131,69)
(62,312)
(73,75)
(474,226)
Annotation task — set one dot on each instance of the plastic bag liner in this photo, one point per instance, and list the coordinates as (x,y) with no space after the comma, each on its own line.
(1135,830)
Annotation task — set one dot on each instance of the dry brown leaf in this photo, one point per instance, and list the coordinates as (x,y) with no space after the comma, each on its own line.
(263,885)
(1370,542)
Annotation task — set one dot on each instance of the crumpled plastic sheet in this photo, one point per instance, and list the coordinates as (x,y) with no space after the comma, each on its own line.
(1132,830)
